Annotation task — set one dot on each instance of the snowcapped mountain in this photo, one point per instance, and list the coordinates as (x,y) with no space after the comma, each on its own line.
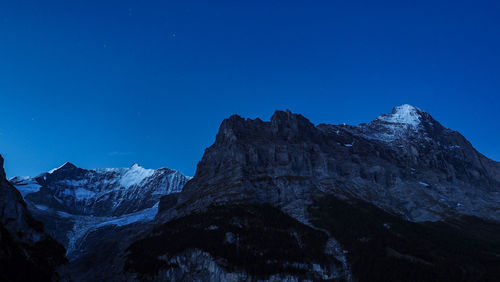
(286,200)
(405,162)
(399,198)
(71,201)
(100,192)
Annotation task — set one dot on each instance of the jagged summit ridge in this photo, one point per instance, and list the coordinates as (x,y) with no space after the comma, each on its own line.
(404,114)
(72,201)
(405,123)
(101,191)
(65,166)
(385,162)
(135,175)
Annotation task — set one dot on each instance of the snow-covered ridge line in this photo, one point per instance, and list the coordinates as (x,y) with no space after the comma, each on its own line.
(102,191)
(74,201)
(66,164)
(131,176)
(404,114)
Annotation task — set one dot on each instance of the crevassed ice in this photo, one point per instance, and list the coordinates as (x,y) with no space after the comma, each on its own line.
(28,187)
(144,215)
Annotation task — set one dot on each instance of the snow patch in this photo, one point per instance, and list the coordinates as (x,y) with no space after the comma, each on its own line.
(135,175)
(141,216)
(41,207)
(64,214)
(424,184)
(405,114)
(27,187)
(83,194)
(57,168)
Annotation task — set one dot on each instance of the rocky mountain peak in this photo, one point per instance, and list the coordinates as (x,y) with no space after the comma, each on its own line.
(404,114)
(65,167)
(383,162)
(100,191)
(282,123)
(289,123)
(407,116)
(404,123)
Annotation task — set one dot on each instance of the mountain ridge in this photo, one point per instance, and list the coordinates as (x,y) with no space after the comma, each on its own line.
(100,191)
(426,153)
(399,198)
(72,201)
(396,197)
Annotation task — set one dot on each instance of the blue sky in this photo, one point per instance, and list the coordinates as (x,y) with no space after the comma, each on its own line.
(111,83)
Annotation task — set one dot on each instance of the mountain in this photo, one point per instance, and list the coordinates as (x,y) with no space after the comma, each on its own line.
(100,192)
(399,198)
(405,162)
(72,201)
(27,253)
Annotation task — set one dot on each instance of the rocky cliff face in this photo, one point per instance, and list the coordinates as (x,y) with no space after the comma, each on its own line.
(27,253)
(401,198)
(395,199)
(405,162)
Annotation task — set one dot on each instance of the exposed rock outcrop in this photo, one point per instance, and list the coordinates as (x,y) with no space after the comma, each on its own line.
(412,192)
(404,162)
(27,253)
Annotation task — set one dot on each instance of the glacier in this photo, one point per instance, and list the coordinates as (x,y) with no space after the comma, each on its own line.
(73,202)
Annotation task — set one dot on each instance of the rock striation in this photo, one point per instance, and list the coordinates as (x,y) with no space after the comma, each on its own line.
(404,162)
(395,198)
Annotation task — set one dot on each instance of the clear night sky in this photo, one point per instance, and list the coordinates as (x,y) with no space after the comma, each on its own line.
(111,83)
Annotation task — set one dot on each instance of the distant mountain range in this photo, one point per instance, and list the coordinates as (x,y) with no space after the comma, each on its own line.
(100,192)
(72,201)
(401,198)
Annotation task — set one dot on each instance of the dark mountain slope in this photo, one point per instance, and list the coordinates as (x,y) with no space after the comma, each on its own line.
(257,241)
(26,252)
(402,196)
(384,247)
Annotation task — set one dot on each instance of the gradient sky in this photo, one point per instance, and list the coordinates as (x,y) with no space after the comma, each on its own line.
(112,83)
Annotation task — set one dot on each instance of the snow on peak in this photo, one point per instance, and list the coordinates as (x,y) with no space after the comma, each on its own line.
(135,175)
(66,165)
(404,114)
